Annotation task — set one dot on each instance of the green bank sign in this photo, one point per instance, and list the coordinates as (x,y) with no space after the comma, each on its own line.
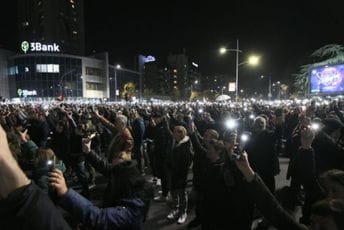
(39,47)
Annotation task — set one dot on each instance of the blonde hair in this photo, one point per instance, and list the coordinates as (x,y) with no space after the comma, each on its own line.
(181,129)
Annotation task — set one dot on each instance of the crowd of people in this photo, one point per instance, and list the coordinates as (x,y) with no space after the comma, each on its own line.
(232,150)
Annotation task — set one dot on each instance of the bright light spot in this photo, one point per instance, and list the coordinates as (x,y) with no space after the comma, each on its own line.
(231,124)
(50,162)
(222,50)
(194,64)
(196,82)
(118,66)
(253,60)
(315,126)
(244,137)
(200,111)
(252,117)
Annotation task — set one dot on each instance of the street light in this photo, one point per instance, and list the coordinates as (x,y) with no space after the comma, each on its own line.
(252,60)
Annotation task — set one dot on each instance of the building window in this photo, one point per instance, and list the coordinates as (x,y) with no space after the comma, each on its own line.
(94,71)
(47,68)
(94,86)
(13,70)
(74,32)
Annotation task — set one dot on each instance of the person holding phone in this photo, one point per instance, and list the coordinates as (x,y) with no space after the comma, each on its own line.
(45,161)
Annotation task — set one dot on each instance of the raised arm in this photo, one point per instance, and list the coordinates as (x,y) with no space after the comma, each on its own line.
(21,202)
(99,163)
(265,201)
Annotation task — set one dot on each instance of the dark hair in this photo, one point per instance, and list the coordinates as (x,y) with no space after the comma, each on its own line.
(333,175)
(330,208)
(127,183)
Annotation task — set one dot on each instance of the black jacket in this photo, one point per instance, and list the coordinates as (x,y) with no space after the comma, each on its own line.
(270,208)
(199,161)
(261,153)
(181,159)
(226,203)
(29,208)
(125,181)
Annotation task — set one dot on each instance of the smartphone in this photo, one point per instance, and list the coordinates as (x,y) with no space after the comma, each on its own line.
(51,164)
(237,152)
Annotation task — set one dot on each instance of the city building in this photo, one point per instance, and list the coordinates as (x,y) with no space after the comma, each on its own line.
(53,21)
(184,75)
(50,75)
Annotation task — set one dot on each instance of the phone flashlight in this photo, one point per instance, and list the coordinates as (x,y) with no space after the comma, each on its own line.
(231,124)
(200,111)
(252,116)
(315,126)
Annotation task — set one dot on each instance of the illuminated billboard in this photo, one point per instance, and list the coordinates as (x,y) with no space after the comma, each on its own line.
(327,79)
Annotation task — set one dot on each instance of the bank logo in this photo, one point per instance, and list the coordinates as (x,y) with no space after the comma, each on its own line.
(25,46)
(39,47)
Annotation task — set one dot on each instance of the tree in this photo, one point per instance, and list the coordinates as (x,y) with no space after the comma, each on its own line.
(327,55)
(129,89)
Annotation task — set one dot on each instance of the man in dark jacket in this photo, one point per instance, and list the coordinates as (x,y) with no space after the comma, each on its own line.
(198,168)
(262,155)
(138,130)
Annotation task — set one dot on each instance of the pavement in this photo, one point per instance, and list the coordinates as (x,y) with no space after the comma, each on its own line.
(159,210)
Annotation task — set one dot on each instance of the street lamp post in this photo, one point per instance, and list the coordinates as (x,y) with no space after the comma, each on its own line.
(253,60)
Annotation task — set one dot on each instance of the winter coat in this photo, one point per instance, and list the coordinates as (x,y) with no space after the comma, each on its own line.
(199,161)
(127,215)
(270,208)
(181,159)
(226,202)
(261,154)
(29,208)
(328,154)
(125,182)
(138,127)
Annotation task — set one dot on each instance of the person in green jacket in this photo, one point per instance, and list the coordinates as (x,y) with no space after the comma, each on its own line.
(45,161)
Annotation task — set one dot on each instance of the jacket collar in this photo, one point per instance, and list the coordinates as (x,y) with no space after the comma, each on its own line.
(184,140)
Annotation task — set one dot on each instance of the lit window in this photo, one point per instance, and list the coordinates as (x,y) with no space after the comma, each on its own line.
(74,32)
(26,23)
(175,82)
(26,69)
(175,71)
(47,68)
(73,6)
(13,70)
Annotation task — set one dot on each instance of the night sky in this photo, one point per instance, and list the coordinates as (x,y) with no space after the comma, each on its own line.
(283,33)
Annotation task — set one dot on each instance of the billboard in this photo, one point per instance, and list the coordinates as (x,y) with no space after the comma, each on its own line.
(231,87)
(327,79)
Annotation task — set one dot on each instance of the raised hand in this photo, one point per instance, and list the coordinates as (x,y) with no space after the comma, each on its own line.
(86,145)
(57,181)
(24,136)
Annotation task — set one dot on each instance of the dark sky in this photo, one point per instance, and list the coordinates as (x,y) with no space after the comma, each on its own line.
(284,33)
